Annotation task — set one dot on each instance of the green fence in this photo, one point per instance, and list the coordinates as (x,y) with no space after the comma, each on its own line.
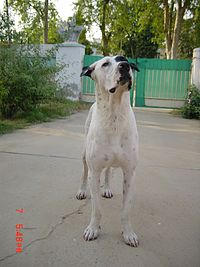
(160,82)
(88,85)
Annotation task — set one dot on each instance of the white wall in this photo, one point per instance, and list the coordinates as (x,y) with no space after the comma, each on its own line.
(70,56)
(195,77)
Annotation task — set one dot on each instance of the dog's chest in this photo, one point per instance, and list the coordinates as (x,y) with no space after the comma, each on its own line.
(113,123)
(112,139)
(115,133)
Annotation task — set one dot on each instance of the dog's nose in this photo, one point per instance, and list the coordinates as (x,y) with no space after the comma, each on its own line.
(124,66)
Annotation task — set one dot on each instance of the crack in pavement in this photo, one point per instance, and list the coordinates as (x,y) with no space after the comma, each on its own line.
(38,155)
(53,228)
(173,167)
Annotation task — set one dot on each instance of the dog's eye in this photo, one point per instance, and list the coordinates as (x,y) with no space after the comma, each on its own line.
(105,64)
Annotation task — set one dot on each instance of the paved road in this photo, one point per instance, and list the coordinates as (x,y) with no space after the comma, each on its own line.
(39,172)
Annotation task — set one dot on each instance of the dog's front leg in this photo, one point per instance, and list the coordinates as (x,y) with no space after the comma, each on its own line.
(92,231)
(130,237)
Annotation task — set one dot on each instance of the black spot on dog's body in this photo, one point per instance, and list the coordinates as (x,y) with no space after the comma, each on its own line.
(106,157)
(112,90)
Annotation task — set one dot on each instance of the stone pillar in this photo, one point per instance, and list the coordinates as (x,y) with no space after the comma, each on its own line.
(70,55)
(195,77)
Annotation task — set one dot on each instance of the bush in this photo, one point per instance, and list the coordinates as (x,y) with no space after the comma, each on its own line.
(191,109)
(26,80)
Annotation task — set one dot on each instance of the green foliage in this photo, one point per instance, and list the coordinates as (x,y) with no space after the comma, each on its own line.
(136,27)
(32,17)
(55,108)
(26,79)
(7,27)
(191,109)
(122,24)
(141,45)
(190,34)
(8,126)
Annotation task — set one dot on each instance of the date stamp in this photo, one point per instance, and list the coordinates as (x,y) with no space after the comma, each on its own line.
(19,234)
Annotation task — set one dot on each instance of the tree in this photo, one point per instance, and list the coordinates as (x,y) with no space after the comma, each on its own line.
(168,17)
(82,38)
(125,22)
(45,17)
(141,45)
(6,25)
(190,34)
(172,32)
(129,36)
(8,21)
(99,12)
(39,19)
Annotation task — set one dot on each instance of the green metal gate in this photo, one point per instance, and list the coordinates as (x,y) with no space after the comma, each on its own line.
(162,82)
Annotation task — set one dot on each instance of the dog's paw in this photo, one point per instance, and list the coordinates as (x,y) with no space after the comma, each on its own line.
(91,233)
(131,239)
(107,193)
(81,194)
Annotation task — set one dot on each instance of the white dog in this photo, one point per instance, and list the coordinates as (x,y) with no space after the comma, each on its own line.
(111,140)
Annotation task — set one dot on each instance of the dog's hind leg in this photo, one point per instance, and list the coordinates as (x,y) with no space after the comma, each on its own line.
(107,193)
(130,237)
(81,194)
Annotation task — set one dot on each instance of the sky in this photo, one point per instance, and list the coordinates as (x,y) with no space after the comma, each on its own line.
(64,7)
(65,10)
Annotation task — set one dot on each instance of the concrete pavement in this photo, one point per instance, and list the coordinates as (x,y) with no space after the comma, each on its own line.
(39,172)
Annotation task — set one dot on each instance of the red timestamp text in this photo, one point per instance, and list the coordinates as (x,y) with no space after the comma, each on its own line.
(19,234)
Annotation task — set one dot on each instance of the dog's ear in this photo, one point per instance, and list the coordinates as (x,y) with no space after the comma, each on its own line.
(134,67)
(86,71)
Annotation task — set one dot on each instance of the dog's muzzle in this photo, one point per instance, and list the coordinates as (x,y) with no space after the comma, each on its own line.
(124,69)
(125,77)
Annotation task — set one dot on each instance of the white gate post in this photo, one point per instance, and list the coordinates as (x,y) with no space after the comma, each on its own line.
(71,56)
(195,77)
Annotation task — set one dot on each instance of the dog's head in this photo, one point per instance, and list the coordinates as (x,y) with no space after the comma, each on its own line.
(111,73)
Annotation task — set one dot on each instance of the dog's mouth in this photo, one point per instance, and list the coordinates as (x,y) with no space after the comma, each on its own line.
(124,79)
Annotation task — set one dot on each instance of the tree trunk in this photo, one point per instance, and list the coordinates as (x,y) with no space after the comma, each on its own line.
(168,27)
(105,39)
(177,29)
(8,23)
(46,27)
(172,35)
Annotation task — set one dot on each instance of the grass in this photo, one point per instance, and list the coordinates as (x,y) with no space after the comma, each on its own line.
(54,109)
(176,112)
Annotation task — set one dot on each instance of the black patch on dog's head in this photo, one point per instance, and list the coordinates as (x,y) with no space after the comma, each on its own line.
(132,65)
(120,58)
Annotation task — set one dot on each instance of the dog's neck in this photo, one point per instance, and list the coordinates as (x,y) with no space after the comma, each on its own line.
(112,101)
(113,108)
